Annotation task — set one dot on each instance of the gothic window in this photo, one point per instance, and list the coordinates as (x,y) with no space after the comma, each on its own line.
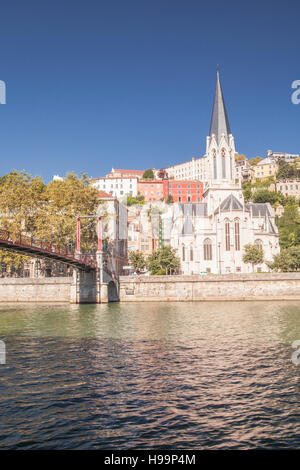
(223,163)
(207,249)
(237,234)
(191,254)
(215,163)
(183,253)
(259,243)
(227,235)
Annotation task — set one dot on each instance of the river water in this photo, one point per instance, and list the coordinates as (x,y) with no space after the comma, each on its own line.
(150,376)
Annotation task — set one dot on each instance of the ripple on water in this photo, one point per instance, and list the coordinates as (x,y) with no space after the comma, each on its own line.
(166,376)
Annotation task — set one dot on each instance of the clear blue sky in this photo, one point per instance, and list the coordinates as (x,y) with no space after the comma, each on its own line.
(129,84)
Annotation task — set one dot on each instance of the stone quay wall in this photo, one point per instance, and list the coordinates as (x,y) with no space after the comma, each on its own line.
(49,289)
(257,286)
(283,286)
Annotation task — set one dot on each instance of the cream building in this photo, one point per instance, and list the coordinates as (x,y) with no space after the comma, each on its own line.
(287,187)
(264,169)
(118,186)
(210,236)
(194,169)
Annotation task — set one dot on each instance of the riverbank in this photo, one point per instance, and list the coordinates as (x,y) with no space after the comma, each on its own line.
(226,287)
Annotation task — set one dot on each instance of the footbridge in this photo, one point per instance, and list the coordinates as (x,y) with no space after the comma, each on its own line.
(93,282)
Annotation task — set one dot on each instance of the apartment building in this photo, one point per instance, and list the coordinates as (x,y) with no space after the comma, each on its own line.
(287,187)
(287,157)
(194,169)
(118,186)
(264,169)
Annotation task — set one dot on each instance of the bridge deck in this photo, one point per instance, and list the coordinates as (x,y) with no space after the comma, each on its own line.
(34,247)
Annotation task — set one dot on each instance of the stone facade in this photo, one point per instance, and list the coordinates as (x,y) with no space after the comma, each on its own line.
(283,286)
(210,237)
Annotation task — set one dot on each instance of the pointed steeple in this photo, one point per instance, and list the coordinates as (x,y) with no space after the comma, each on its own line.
(219,120)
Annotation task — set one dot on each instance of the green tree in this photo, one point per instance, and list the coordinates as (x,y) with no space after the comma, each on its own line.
(286,170)
(253,255)
(289,226)
(131,200)
(264,195)
(48,212)
(255,161)
(148,174)
(163,261)
(240,157)
(170,199)
(288,260)
(137,260)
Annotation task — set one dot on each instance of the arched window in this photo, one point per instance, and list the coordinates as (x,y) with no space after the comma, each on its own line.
(223,164)
(191,254)
(227,235)
(259,243)
(183,253)
(215,163)
(237,234)
(207,246)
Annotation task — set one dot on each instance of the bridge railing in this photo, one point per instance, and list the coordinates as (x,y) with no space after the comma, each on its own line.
(46,247)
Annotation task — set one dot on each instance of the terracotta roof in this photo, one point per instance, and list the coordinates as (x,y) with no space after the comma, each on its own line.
(103,194)
(127,171)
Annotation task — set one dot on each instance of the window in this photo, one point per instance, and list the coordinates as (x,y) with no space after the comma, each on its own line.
(183,253)
(207,246)
(223,164)
(191,254)
(215,164)
(237,234)
(227,235)
(259,243)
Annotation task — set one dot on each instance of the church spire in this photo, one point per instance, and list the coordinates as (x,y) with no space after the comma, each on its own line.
(219,120)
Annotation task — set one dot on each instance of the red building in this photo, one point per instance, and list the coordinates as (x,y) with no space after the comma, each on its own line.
(183,190)
(180,190)
(152,190)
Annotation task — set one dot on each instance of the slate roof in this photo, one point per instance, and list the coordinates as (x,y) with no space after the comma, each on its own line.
(219,120)
(231,203)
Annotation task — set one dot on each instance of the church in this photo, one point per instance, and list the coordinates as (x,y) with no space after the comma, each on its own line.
(210,236)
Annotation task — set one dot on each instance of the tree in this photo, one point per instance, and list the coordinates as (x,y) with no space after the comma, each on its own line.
(287,260)
(131,200)
(137,260)
(148,174)
(162,174)
(289,226)
(48,212)
(163,261)
(286,170)
(240,157)
(264,195)
(170,199)
(255,161)
(253,255)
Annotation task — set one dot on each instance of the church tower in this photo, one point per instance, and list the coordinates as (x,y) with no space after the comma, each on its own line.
(220,150)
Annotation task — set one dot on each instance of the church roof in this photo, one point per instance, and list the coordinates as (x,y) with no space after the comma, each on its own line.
(231,203)
(193,209)
(259,209)
(219,120)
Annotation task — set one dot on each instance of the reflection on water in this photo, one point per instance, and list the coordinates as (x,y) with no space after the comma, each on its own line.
(153,375)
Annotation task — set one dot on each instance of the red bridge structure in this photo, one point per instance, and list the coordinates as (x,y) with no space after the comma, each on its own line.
(31,246)
(93,282)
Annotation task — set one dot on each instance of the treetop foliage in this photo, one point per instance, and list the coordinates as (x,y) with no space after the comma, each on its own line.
(48,212)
